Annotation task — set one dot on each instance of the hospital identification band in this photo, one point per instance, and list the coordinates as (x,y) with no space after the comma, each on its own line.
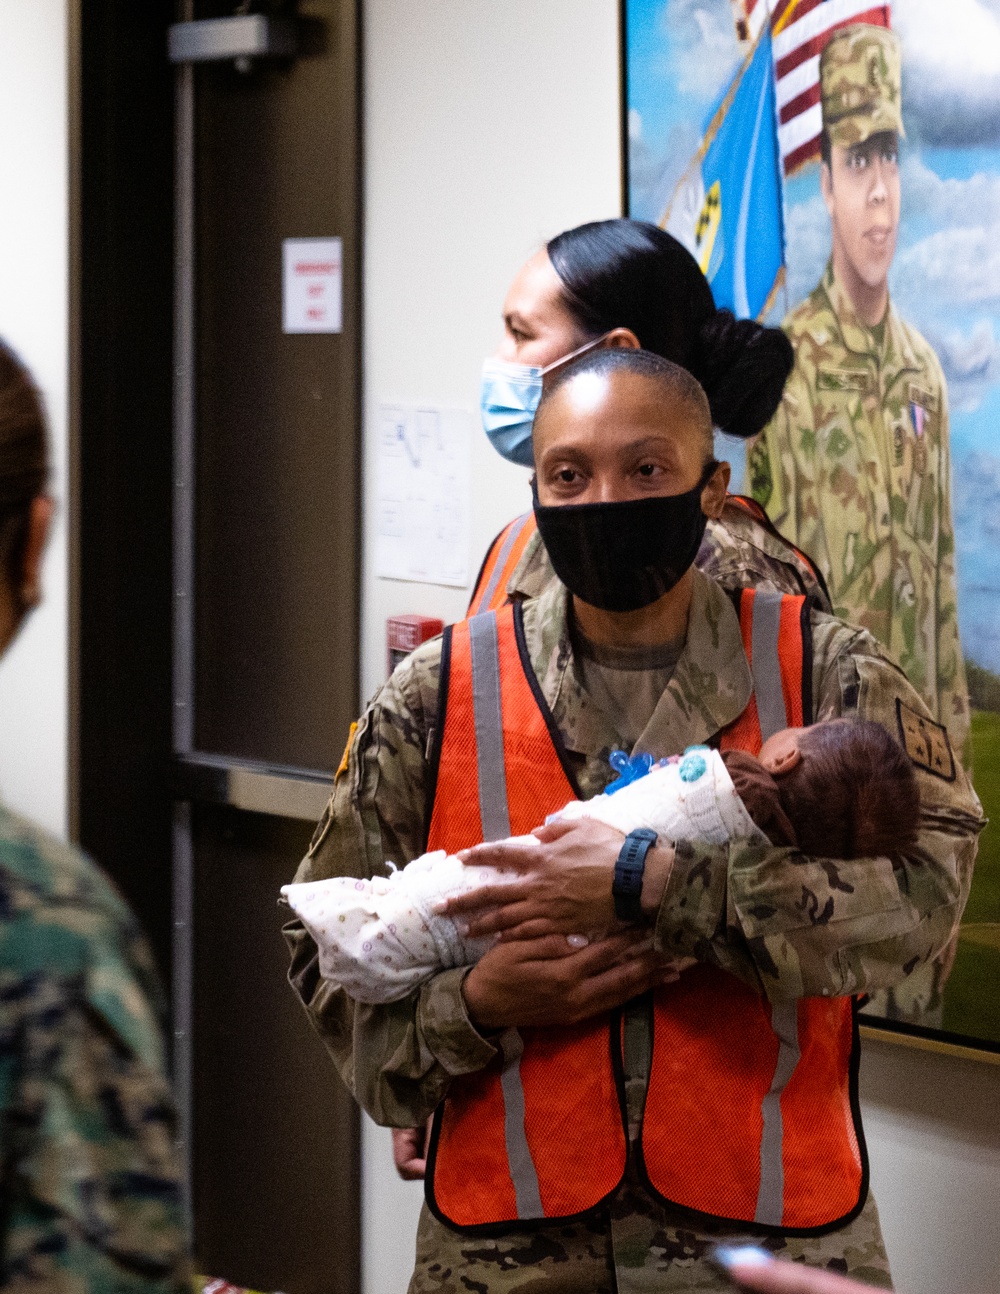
(626,889)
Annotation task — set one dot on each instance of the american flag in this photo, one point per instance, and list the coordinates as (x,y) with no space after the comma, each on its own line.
(799,31)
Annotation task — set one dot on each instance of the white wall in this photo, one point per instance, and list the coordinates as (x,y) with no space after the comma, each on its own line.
(933,1128)
(34,306)
(488,128)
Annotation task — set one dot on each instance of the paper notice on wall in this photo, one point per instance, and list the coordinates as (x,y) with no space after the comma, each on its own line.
(312,296)
(424,485)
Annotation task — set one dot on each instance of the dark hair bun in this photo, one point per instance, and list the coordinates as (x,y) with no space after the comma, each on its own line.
(743,367)
(632,274)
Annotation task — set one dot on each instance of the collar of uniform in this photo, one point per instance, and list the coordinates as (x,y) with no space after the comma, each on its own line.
(711,683)
(857,338)
(898,347)
(710,687)
(583,725)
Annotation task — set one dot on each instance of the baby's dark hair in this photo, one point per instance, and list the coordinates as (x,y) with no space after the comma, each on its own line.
(853,794)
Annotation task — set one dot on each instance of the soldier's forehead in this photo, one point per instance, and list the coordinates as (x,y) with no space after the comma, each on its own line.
(635,405)
(881,139)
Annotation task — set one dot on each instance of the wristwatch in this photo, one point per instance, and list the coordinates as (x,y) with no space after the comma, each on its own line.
(626,889)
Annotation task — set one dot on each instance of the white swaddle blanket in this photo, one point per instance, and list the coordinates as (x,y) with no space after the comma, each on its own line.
(380,938)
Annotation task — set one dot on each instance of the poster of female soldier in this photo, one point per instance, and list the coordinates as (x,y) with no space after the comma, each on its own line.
(834,167)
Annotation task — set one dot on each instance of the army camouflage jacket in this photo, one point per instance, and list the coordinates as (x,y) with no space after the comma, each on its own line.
(855,468)
(788,925)
(90,1187)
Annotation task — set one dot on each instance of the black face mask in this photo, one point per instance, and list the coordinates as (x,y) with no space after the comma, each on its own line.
(623,556)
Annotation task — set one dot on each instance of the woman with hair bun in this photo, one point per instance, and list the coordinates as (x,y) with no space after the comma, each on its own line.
(628,284)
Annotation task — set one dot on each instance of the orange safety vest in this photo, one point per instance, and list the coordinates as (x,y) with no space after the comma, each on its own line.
(751,1114)
(500,562)
(502,557)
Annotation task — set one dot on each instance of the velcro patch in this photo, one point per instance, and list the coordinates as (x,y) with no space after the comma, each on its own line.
(926,742)
(843,379)
(926,399)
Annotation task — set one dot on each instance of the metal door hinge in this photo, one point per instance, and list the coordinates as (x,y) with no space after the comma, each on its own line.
(242,38)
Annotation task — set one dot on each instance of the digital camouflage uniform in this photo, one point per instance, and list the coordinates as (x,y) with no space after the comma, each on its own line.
(855,465)
(787,925)
(90,1189)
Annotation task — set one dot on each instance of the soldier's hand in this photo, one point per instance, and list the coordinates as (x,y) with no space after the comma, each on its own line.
(566,887)
(529,982)
(409,1151)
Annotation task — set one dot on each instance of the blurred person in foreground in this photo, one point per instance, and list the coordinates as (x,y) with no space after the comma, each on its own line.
(750,1269)
(90,1197)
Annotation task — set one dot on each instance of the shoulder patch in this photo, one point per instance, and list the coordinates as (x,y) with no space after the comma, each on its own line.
(926,742)
(342,766)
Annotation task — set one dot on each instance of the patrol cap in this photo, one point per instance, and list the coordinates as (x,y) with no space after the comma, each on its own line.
(859,76)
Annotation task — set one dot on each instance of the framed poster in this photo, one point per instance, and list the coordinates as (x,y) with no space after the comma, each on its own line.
(834,167)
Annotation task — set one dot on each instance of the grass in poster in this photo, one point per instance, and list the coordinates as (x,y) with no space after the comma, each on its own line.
(972,995)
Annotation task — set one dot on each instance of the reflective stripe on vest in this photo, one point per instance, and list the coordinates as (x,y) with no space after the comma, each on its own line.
(750,1113)
(505,552)
(767,1133)
(490,767)
(772,628)
(807,1171)
(522,1167)
(553,1163)
(769,665)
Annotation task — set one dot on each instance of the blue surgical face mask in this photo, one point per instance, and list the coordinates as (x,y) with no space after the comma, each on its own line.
(509,397)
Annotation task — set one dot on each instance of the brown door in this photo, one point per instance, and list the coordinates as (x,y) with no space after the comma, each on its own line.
(266,630)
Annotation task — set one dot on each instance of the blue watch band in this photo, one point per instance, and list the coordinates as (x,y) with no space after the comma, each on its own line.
(626,889)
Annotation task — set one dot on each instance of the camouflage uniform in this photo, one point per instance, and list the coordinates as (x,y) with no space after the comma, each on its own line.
(90,1183)
(787,925)
(842,470)
(855,465)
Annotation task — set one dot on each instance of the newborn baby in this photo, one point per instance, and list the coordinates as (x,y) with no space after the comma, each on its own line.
(840,789)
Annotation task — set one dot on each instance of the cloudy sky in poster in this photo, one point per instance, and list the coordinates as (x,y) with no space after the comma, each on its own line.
(681,55)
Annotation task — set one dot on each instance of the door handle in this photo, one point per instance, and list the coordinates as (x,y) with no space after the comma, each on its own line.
(254,787)
(246,36)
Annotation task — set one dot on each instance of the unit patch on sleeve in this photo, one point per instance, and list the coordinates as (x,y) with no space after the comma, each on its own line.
(342,766)
(926,742)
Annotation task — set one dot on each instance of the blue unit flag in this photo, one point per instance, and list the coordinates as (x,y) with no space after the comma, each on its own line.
(728,209)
